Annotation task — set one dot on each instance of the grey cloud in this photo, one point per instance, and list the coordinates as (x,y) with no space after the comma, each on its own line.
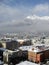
(14,18)
(38,24)
(9,13)
(41,9)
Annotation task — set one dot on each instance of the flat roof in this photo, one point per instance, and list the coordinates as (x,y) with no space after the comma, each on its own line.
(27,63)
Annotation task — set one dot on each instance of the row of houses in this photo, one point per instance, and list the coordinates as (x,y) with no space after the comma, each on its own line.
(23,50)
(12,44)
(15,43)
(35,54)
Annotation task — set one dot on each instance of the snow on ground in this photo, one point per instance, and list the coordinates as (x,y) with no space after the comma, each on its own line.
(27,63)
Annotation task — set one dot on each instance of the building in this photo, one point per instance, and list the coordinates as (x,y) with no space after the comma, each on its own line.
(24,42)
(8,56)
(24,50)
(1,53)
(11,45)
(11,56)
(38,54)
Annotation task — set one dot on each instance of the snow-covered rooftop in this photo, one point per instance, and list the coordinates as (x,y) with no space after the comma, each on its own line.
(27,63)
(26,47)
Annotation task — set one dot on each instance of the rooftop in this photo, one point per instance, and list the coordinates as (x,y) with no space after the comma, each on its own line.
(27,63)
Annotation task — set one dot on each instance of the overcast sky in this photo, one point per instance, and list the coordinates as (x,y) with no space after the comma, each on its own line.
(20,15)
